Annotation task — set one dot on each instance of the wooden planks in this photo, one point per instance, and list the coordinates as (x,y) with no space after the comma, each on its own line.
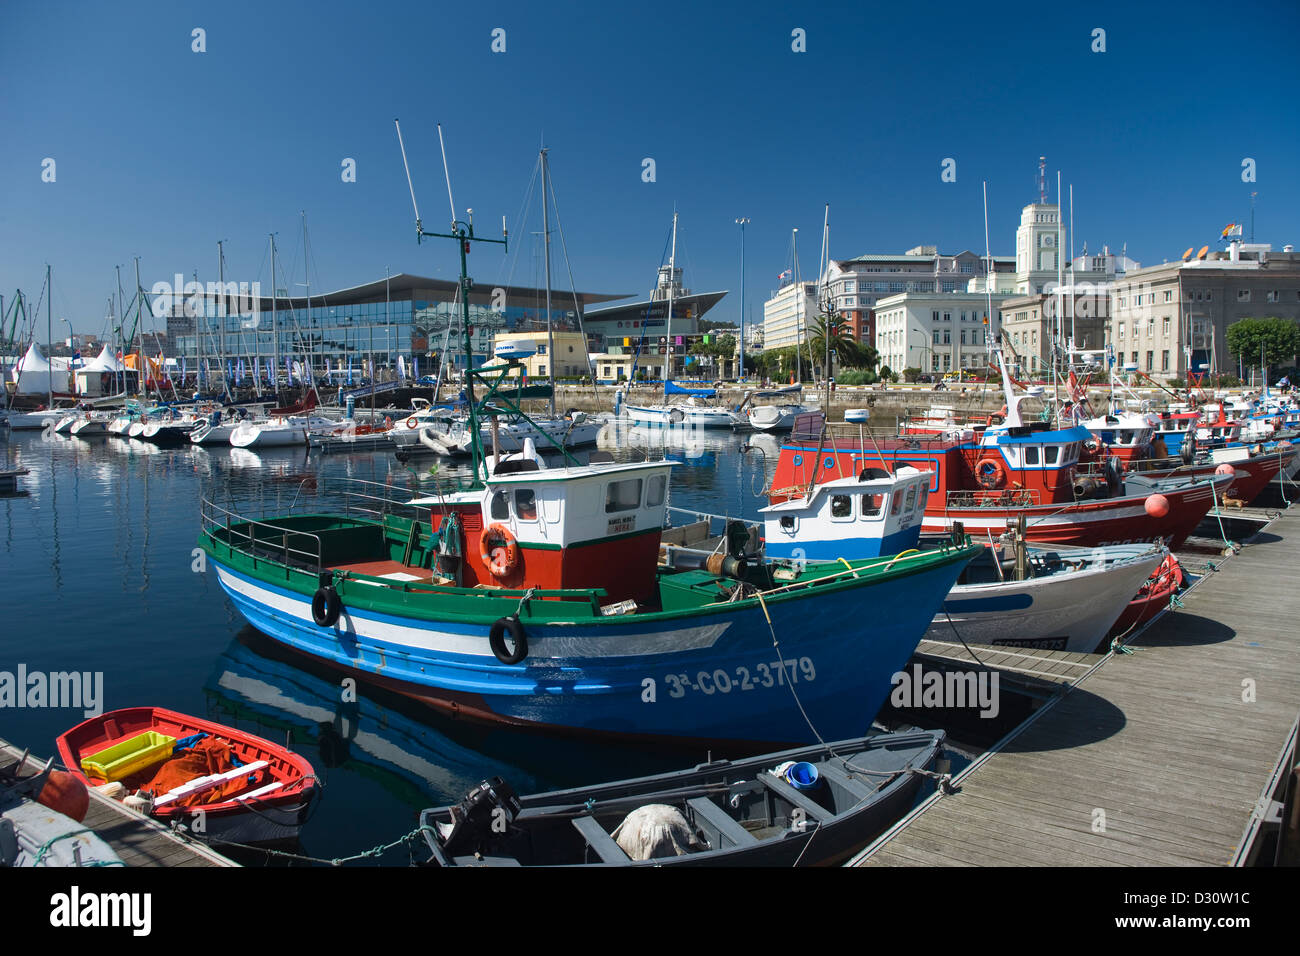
(137,839)
(1158,757)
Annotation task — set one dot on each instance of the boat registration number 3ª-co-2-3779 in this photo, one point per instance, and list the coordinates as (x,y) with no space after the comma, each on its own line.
(721,681)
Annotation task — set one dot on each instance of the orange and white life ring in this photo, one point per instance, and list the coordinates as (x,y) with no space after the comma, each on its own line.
(499,550)
(990,473)
(412,423)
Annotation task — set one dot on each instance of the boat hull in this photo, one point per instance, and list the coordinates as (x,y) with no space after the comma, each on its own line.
(1088,523)
(680,416)
(703,674)
(1067,611)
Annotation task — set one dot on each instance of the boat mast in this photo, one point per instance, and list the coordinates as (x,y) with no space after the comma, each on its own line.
(798,313)
(221,313)
(546,248)
(121,329)
(49,333)
(672,282)
(144,392)
(275,331)
(463,233)
(824,296)
(1056,376)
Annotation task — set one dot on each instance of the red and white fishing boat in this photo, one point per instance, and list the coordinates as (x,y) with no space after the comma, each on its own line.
(985,479)
(222,783)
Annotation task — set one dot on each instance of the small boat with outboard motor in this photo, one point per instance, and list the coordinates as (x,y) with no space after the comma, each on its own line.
(811,806)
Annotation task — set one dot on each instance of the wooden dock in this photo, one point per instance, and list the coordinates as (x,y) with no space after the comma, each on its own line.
(1165,756)
(137,839)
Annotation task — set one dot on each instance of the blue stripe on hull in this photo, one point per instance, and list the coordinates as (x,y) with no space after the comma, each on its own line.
(852,549)
(853,641)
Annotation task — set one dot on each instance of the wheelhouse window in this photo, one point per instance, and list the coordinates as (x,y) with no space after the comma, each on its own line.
(1031,455)
(500,509)
(1050,453)
(910,504)
(841,506)
(623,495)
(654,495)
(872,505)
(525,504)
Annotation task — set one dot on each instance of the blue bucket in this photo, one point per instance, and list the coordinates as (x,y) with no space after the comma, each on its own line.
(802,776)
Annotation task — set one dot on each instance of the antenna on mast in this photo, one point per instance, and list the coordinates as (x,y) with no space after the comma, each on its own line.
(1042,180)
(419,229)
(446,172)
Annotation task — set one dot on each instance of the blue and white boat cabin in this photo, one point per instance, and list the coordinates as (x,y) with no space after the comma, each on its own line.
(868,516)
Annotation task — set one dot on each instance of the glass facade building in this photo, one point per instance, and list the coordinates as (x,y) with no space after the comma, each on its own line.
(407,322)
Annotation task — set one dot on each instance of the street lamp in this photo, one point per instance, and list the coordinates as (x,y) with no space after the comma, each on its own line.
(741,222)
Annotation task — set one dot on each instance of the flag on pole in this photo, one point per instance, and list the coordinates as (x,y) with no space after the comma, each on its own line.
(415,368)
(1232,229)
(401,368)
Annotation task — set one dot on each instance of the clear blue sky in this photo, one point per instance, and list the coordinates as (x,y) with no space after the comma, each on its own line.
(161,151)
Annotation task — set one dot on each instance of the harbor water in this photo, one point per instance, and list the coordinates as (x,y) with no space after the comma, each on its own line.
(103,579)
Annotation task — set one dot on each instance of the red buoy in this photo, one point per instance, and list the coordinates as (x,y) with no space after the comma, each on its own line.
(64,793)
(1157,505)
(1227,470)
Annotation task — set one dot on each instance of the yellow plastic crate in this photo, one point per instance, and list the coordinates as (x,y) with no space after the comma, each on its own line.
(128,756)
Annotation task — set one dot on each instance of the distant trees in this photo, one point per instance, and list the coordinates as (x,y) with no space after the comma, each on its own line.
(1278,340)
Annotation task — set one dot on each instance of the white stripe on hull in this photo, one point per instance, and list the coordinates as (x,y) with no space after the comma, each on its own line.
(430,640)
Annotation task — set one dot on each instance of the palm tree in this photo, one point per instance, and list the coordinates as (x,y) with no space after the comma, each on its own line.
(850,352)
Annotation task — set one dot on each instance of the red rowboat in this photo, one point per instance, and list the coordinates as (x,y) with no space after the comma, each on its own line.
(1153,596)
(222,783)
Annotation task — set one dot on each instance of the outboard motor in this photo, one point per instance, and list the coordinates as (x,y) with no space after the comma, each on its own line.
(484,812)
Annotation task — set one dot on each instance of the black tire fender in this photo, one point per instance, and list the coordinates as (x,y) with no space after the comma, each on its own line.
(497,640)
(325,606)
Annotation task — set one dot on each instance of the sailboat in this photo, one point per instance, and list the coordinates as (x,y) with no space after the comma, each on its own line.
(691,409)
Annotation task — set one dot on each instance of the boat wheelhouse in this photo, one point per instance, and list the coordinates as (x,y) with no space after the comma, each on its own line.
(864,517)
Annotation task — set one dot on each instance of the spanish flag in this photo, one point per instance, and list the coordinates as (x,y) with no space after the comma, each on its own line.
(1231,229)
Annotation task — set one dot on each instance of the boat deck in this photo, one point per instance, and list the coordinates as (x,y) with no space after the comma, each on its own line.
(1148,758)
(137,839)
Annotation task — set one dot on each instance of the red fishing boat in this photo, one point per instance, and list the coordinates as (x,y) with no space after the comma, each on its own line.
(988,478)
(222,783)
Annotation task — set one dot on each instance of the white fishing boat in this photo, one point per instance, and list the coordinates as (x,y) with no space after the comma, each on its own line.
(689,412)
(218,425)
(91,426)
(1067,600)
(778,418)
(279,432)
(37,420)
(573,431)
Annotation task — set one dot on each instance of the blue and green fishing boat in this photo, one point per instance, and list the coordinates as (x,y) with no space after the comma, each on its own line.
(535,596)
